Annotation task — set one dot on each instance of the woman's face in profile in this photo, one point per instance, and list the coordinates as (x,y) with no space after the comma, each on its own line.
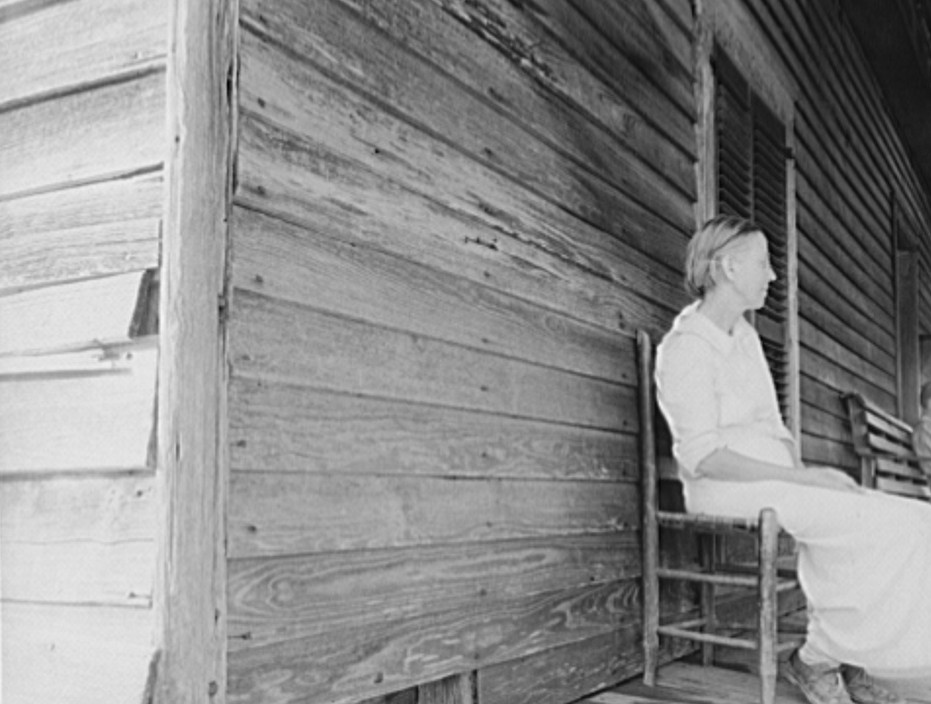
(749,270)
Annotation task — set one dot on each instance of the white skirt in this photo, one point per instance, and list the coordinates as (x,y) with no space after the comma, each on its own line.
(864,565)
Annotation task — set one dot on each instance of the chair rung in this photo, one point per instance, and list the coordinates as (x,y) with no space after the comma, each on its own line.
(785,585)
(699,521)
(674,632)
(689,576)
(683,630)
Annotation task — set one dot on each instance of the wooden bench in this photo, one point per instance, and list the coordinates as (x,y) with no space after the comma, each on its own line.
(883,444)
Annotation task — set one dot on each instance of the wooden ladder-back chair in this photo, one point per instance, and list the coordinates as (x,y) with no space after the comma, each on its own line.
(765,580)
(883,444)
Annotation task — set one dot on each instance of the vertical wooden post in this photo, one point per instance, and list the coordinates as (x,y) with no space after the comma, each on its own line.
(709,559)
(192,466)
(769,611)
(648,492)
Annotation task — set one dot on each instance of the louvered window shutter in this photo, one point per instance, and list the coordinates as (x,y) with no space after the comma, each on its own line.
(751,176)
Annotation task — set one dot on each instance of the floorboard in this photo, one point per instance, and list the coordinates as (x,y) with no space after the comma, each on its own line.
(685,683)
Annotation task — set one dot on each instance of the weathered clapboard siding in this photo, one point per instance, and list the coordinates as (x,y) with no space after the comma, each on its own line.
(95,230)
(386,657)
(459,195)
(849,162)
(275,258)
(556,676)
(69,653)
(82,540)
(85,136)
(80,43)
(334,39)
(449,218)
(295,513)
(288,428)
(323,593)
(289,343)
(82,124)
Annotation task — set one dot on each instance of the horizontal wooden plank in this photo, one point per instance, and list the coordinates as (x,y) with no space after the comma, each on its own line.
(690,683)
(371,167)
(74,654)
(82,540)
(905,469)
(291,514)
(568,672)
(100,417)
(117,129)
(835,283)
(826,425)
(892,485)
(820,305)
(303,182)
(95,230)
(859,265)
(278,341)
(335,40)
(89,312)
(274,600)
(73,43)
(516,56)
(283,428)
(368,661)
(646,35)
(813,338)
(281,260)
(830,453)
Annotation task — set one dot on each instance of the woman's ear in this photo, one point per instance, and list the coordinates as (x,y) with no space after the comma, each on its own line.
(726,266)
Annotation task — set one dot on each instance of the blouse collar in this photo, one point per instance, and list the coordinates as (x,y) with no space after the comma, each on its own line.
(692,321)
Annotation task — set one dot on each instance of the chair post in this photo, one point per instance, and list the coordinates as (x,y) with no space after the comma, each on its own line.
(650,537)
(709,562)
(769,605)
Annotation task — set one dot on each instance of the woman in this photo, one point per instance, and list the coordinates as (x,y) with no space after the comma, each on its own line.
(864,557)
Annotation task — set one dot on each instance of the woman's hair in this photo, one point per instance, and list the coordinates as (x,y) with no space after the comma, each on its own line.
(706,246)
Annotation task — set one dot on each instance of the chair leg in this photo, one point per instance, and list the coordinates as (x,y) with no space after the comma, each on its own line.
(769,606)
(650,604)
(709,559)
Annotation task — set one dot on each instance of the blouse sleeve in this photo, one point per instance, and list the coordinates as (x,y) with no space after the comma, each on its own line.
(686,395)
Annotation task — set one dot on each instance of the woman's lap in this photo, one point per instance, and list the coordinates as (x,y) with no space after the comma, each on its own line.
(864,563)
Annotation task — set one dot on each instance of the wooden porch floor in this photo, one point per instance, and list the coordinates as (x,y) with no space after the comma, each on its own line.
(685,683)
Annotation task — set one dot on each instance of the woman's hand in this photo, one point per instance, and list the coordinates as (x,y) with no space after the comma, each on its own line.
(830,478)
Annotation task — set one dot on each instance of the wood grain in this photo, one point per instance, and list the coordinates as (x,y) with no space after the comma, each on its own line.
(95,230)
(284,598)
(87,540)
(114,130)
(190,590)
(74,43)
(283,261)
(567,672)
(285,428)
(516,55)
(377,166)
(284,342)
(365,662)
(289,514)
(338,43)
(303,181)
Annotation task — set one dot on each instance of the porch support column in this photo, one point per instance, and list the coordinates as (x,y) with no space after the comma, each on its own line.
(190,594)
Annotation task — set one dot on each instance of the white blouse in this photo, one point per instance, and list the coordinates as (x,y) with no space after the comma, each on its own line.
(716,391)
